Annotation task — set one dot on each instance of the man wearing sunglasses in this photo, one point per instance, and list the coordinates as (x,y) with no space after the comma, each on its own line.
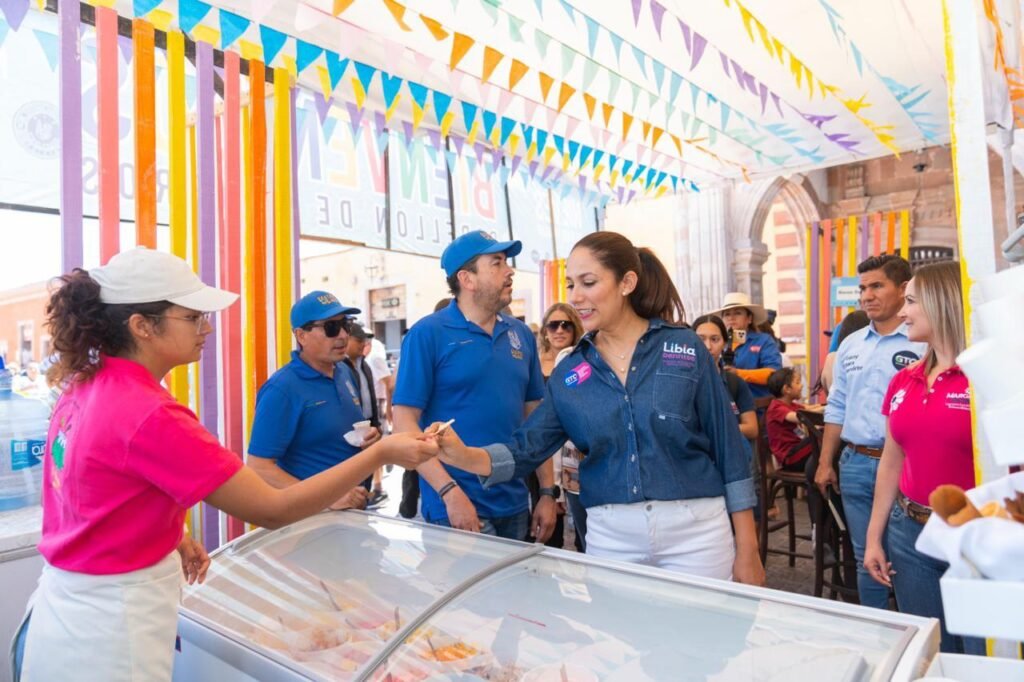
(306,407)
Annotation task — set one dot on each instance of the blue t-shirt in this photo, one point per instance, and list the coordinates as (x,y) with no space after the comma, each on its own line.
(453,369)
(301,418)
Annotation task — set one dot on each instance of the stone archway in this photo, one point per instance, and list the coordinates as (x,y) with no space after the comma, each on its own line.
(750,207)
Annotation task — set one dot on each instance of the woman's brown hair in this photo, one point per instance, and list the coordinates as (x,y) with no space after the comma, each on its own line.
(82,326)
(574,318)
(655,295)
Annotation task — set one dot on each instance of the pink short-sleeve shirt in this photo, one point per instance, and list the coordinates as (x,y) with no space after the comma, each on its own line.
(933,426)
(123,462)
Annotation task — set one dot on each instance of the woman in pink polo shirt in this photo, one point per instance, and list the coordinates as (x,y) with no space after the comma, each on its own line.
(124,461)
(927,444)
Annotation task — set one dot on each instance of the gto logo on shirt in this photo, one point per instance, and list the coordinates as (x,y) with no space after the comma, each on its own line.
(578,375)
(904,358)
(678,355)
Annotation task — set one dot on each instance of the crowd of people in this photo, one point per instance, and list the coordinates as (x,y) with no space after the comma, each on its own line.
(619,416)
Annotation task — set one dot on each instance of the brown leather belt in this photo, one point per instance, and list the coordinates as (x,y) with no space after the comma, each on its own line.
(876,453)
(915,511)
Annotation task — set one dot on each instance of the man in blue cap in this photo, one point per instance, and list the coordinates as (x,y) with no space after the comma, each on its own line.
(306,407)
(471,363)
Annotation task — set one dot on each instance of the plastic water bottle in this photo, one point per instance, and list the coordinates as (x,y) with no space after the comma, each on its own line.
(23,425)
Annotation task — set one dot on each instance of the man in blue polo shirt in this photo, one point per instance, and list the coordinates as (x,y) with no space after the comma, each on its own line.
(306,407)
(865,363)
(470,363)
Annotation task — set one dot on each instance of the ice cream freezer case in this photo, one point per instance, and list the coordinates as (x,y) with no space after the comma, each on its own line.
(355,596)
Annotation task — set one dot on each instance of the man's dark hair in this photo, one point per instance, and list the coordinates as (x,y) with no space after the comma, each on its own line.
(453,281)
(779,379)
(896,268)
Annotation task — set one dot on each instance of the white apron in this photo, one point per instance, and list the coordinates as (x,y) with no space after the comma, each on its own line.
(109,628)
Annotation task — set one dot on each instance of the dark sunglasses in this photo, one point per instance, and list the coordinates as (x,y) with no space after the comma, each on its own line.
(564,325)
(331,327)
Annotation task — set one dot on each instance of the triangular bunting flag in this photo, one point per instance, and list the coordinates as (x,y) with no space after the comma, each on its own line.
(435,27)
(335,67)
(390,86)
(627,122)
(507,126)
(355,116)
(677,142)
(305,54)
(546,82)
(441,103)
(617,44)
(541,40)
(272,41)
(659,72)
(48,41)
(636,12)
(613,85)
(365,74)
(591,104)
(459,141)
(656,134)
(542,139)
(592,30)
(657,14)
(492,58)
(398,12)
(607,110)
(589,73)
(568,59)
(418,93)
(325,81)
(503,174)
(468,114)
(574,148)
(641,59)
(446,123)
(452,160)
(515,28)
(516,73)
(460,46)
(232,26)
(646,127)
(585,153)
(359,92)
(340,6)
(140,7)
(564,94)
(190,13)
(490,119)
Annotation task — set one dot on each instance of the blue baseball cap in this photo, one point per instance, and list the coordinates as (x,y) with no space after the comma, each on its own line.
(318,305)
(473,244)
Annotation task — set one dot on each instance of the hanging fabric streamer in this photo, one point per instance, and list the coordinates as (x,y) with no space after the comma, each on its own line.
(282,213)
(851,226)
(206,177)
(258,208)
(145,133)
(840,259)
(890,239)
(293,154)
(905,234)
(68,14)
(824,282)
(812,291)
(248,329)
(230,267)
(876,234)
(107,122)
(177,173)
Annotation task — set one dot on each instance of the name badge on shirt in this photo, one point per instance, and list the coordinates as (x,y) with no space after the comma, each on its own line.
(904,358)
(578,375)
(959,401)
(678,355)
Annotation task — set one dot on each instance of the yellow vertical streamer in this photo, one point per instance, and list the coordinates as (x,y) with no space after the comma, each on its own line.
(905,234)
(177,175)
(248,330)
(282,212)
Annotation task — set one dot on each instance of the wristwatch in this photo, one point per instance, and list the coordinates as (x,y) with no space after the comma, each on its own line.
(554,492)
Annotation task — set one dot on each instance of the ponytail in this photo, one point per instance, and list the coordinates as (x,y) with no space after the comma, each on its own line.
(655,295)
(82,326)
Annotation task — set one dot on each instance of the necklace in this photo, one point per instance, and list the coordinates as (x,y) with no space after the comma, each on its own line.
(620,356)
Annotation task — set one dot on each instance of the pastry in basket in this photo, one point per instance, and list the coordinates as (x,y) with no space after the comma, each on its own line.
(952,505)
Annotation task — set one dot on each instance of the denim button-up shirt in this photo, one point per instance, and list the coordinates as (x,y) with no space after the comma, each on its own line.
(668,434)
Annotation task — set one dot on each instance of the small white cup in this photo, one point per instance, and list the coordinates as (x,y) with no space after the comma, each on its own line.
(994,368)
(1003,283)
(997,318)
(1004,430)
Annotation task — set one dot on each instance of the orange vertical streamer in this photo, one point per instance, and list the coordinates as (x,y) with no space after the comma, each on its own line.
(876,234)
(107,122)
(890,241)
(145,134)
(258,246)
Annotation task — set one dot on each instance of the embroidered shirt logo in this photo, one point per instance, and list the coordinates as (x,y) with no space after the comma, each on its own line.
(677,354)
(959,401)
(578,375)
(897,400)
(904,358)
(755,349)
(517,345)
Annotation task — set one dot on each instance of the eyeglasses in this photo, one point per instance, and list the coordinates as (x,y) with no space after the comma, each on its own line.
(331,327)
(198,319)
(555,325)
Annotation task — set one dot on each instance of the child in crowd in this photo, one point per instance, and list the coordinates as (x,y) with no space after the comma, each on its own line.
(787,440)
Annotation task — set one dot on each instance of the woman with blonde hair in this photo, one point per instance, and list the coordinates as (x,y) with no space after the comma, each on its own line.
(561,328)
(927,444)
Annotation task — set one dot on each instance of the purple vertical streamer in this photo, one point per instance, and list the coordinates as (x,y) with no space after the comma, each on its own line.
(813,298)
(206,180)
(72,250)
(295,201)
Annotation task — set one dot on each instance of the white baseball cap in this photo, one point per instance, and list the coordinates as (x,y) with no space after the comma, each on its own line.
(144,275)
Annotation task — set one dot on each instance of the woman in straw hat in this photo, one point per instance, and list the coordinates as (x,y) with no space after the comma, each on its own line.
(756,353)
(124,461)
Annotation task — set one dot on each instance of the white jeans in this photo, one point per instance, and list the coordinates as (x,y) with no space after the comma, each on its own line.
(107,628)
(686,536)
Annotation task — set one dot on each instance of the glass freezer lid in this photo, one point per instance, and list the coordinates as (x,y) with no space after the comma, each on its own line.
(547,618)
(325,594)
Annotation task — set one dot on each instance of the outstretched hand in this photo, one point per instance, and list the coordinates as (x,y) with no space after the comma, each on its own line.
(409,450)
(451,448)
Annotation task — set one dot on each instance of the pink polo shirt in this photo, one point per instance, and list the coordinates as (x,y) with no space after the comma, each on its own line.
(933,426)
(123,462)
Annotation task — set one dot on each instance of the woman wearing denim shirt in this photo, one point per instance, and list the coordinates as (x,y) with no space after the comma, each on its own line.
(665,463)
